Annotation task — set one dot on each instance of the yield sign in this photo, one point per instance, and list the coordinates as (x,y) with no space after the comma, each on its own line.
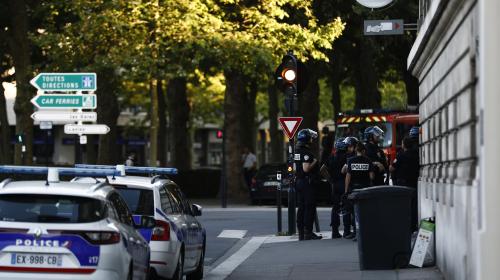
(290,125)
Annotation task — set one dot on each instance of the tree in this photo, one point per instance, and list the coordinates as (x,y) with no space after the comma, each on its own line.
(20,49)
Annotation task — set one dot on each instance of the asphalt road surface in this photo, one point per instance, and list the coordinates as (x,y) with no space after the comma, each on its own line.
(240,223)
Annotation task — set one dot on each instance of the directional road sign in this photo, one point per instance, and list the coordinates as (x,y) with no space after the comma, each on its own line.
(65,101)
(58,116)
(45,125)
(290,125)
(384,27)
(65,81)
(86,129)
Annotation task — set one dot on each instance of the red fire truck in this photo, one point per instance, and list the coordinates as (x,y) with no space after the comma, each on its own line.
(395,124)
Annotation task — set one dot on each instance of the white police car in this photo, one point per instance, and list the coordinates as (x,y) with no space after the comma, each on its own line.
(178,241)
(61,230)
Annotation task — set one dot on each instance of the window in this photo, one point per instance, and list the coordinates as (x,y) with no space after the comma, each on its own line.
(50,209)
(167,204)
(178,196)
(122,209)
(139,201)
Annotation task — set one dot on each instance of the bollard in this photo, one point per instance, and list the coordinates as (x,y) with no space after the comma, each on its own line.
(278,202)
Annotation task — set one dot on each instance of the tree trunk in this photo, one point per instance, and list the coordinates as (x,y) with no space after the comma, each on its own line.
(248,122)
(276,135)
(162,125)
(5,147)
(235,89)
(411,88)
(366,80)
(20,50)
(108,112)
(309,108)
(153,126)
(179,120)
(336,80)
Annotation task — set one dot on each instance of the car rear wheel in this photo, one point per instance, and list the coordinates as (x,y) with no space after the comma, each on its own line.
(198,273)
(179,271)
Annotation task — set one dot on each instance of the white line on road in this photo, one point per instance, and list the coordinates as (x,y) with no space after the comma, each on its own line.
(224,269)
(229,233)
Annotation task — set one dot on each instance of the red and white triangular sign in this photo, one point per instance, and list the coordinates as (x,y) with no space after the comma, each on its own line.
(290,125)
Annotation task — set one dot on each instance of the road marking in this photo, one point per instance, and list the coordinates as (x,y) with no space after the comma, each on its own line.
(229,233)
(224,269)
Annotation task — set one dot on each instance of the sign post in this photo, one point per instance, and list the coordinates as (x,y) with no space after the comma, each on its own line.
(86,129)
(64,117)
(65,82)
(384,27)
(65,101)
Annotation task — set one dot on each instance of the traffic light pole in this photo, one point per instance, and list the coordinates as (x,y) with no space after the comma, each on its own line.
(292,93)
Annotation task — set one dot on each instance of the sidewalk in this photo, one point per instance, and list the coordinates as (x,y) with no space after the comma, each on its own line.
(320,259)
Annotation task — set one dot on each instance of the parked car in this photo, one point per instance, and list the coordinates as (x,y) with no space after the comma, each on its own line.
(178,240)
(61,230)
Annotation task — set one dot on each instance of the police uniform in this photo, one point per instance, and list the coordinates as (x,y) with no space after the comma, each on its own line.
(305,185)
(406,172)
(374,153)
(336,164)
(359,167)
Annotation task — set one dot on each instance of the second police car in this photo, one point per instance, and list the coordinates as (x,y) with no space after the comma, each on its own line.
(178,240)
(61,230)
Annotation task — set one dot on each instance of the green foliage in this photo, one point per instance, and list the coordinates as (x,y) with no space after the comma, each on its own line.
(393,95)
(206,97)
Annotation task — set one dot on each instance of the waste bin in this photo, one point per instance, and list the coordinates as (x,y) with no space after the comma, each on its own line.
(383,225)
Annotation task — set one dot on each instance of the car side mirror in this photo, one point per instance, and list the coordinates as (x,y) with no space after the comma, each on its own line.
(196,209)
(146,222)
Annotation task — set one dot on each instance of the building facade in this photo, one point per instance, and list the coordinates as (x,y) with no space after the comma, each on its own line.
(452,58)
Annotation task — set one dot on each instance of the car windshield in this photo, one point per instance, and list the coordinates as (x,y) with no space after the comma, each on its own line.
(139,201)
(357,130)
(50,209)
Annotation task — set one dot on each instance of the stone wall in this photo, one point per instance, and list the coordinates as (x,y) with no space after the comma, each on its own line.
(444,61)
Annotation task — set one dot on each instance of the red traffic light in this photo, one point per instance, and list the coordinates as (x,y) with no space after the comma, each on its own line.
(219,134)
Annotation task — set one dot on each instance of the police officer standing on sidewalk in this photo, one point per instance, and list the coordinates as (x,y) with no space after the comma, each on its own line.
(405,169)
(373,135)
(336,163)
(307,175)
(360,174)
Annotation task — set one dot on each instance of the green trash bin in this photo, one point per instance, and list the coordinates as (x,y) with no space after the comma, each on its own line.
(383,225)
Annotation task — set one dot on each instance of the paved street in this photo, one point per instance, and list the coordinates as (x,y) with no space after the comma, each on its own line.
(255,253)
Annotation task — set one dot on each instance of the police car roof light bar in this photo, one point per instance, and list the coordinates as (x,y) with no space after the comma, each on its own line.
(134,169)
(64,171)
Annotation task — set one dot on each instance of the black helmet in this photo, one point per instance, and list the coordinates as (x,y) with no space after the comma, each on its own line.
(340,144)
(306,135)
(351,141)
(414,132)
(373,131)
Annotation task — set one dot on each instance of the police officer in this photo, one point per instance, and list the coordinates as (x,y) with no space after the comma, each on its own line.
(351,143)
(335,165)
(307,174)
(406,168)
(373,135)
(360,174)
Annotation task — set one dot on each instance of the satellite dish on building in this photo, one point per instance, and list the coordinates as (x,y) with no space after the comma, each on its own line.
(374,4)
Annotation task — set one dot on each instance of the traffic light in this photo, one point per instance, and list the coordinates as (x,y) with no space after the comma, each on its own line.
(219,134)
(291,75)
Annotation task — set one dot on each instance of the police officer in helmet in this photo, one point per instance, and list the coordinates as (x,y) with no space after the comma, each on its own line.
(373,136)
(336,163)
(406,167)
(360,174)
(307,174)
(351,143)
